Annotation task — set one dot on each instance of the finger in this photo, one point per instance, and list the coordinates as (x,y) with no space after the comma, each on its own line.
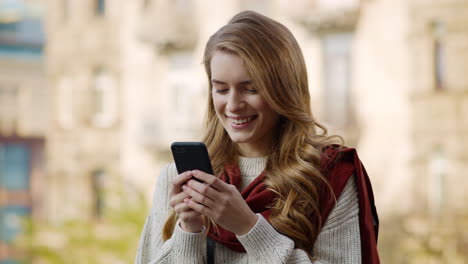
(182,208)
(211,180)
(179,180)
(198,197)
(204,189)
(200,208)
(178,198)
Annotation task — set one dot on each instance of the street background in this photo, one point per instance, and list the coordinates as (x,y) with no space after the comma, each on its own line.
(93,92)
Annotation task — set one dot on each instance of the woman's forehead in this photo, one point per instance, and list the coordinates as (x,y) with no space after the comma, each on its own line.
(228,67)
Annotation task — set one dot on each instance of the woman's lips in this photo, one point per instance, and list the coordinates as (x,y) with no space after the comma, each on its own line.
(242,121)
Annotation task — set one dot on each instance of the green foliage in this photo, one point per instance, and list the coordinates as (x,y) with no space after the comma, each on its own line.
(111,239)
(417,238)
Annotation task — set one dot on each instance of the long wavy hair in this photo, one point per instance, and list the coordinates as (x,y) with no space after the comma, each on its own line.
(275,64)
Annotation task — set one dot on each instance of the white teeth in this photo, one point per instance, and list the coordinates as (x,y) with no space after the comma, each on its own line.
(241,121)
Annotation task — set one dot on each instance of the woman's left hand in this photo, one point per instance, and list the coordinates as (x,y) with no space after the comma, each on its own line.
(221,202)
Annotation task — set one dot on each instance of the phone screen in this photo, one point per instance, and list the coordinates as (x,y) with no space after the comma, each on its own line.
(191,156)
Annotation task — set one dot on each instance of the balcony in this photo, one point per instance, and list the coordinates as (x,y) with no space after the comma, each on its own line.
(324,15)
(169,25)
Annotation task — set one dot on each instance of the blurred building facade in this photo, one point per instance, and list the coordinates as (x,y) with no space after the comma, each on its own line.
(439,104)
(108,105)
(83,68)
(125,79)
(23,119)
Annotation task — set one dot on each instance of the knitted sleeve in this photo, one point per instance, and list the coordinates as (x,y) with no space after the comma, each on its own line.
(182,247)
(337,243)
(339,240)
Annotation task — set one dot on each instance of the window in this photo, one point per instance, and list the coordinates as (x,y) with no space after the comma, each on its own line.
(179,78)
(14,167)
(66,9)
(100,7)
(337,79)
(103,99)
(98,100)
(97,182)
(437,166)
(438,32)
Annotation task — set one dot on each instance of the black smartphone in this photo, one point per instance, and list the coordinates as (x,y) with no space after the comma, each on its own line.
(191,156)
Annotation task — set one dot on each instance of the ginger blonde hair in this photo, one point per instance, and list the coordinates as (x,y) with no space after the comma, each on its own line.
(275,64)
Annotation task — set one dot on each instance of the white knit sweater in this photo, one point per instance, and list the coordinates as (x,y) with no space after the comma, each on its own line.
(338,242)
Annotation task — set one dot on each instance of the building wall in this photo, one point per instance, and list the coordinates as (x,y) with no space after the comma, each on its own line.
(83,68)
(439,108)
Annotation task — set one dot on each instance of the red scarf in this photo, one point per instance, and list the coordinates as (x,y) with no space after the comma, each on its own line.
(337,166)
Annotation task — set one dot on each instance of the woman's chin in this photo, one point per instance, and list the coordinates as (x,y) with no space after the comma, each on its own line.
(240,139)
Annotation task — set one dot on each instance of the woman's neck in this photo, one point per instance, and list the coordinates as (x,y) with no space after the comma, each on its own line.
(251,151)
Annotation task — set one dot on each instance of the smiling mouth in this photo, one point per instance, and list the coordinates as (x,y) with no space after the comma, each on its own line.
(241,120)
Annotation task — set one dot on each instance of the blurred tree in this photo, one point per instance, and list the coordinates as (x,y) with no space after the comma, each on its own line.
(417,238)
(111,239)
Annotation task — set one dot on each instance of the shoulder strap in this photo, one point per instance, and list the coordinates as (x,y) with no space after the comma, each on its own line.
(210,246)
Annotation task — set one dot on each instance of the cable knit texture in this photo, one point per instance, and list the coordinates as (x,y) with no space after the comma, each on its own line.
(337,243)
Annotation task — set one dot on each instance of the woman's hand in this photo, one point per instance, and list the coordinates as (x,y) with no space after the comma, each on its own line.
(190,220)
(221,202)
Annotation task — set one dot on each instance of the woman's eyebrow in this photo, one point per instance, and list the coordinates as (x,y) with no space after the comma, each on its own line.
(239,83)
(217,81)
(246,82)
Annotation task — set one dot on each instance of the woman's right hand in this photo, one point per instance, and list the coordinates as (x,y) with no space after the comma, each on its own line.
(190,220)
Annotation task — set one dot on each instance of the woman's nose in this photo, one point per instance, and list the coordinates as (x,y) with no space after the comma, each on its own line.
(235,102)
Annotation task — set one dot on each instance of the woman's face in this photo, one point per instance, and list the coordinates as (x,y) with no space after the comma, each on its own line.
(242,111)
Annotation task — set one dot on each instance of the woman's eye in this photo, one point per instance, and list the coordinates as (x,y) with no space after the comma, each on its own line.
(254,91)
(221,91)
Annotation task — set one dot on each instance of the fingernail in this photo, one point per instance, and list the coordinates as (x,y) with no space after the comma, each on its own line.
(194,172)
(184,187)
(186,200)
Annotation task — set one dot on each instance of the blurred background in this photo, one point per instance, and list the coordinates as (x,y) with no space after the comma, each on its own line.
(92,93)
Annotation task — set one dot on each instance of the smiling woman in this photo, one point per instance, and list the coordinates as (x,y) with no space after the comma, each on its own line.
(243,112)
(282,190)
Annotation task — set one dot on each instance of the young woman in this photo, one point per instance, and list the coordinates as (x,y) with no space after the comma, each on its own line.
(281,191)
